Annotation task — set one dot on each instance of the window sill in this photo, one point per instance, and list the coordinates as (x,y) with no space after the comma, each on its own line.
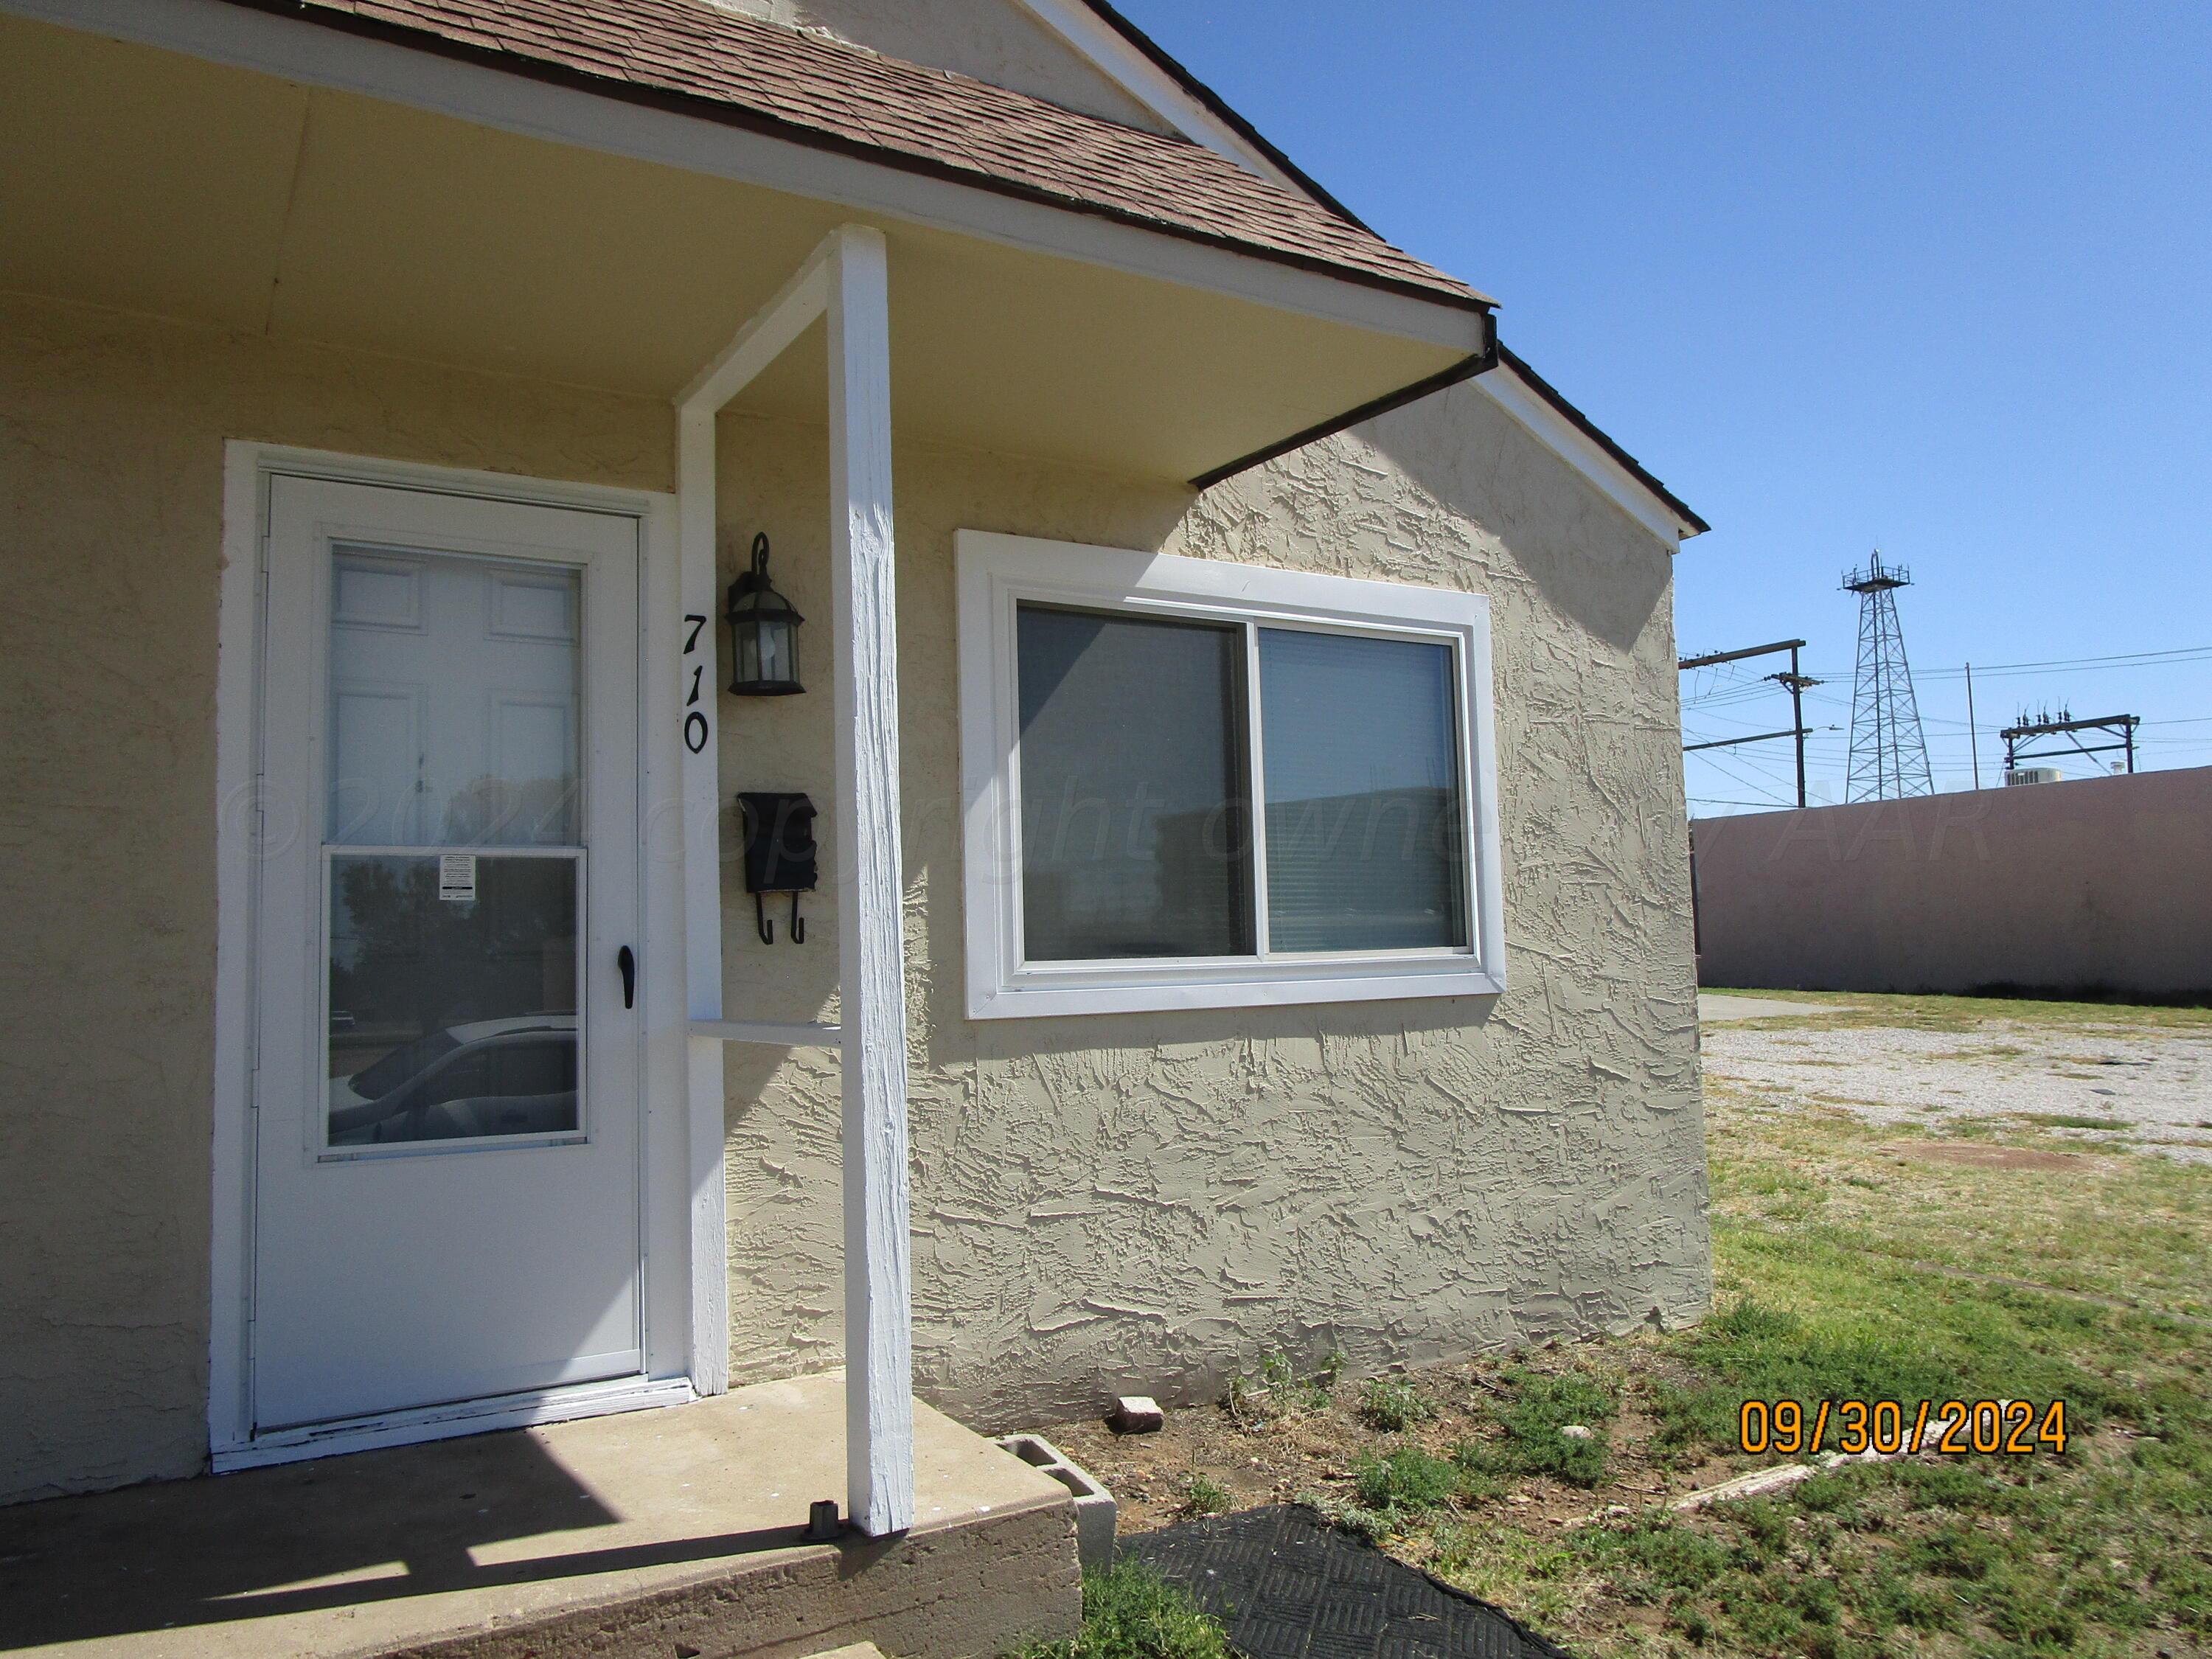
(1115,988)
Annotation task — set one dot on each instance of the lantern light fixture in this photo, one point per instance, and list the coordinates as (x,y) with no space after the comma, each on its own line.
(763,633)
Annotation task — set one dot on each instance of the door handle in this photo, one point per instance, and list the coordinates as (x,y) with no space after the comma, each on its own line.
(626,959)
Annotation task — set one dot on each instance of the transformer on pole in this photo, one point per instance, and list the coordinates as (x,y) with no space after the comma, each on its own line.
(1889,753)
(2118,732)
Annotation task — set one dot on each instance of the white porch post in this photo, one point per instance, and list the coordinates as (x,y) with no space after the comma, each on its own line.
(878,1292)
(847,277)
(698,685)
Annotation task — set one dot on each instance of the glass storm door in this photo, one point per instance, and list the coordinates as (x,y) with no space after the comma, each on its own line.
(446,1183)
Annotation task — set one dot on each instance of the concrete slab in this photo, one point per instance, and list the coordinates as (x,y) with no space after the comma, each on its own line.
(665,1532)
(1723,1005)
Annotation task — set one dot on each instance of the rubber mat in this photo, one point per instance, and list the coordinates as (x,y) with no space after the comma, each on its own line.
(1287,1585)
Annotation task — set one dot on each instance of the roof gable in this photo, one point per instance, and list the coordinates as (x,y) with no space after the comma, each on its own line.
(1013,44)
(1199,112)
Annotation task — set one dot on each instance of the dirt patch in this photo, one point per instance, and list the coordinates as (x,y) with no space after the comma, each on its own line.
(1978,1155)
(1300,1444)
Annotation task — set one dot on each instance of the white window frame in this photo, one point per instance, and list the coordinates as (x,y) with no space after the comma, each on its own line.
(996,573)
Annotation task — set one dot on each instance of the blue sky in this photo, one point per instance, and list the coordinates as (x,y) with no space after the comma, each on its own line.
(1934,277)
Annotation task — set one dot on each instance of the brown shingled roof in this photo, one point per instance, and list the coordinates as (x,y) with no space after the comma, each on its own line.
(815,90)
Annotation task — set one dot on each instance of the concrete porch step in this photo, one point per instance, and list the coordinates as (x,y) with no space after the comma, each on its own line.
(661,1535)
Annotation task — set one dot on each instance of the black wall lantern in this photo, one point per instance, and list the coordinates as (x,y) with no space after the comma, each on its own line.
(764,629)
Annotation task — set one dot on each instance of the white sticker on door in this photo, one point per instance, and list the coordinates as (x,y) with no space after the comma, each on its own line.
(457,876)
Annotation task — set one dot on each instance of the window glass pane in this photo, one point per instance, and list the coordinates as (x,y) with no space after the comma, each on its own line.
(1133,782)
(453,997)
(1360,750)
(453,703)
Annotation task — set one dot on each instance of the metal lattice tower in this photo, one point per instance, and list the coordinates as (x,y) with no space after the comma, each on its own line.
(1889,753)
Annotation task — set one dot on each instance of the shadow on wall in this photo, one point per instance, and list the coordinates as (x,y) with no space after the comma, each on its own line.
(1215,1028)
(1590,561)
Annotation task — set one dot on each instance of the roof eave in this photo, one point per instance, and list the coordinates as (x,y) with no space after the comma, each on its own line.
(1610,466)
(1691,524)
(724,113)
(1220,109)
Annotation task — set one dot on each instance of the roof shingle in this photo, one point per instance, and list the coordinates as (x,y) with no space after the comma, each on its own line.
(820,90)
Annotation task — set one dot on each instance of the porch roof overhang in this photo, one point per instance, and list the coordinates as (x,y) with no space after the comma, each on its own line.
(261,172)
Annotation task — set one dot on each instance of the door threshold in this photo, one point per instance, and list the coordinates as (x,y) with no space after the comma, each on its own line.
(407,1428)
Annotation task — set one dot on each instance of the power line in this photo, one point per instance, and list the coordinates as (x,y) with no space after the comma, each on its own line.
(2180,658)
(2190,652)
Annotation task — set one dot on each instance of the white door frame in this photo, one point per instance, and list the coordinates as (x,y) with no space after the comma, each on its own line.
(687,1286)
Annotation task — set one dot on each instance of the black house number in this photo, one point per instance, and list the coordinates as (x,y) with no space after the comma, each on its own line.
(694,716)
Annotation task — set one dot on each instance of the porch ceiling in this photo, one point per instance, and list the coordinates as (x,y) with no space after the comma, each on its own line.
(144,179)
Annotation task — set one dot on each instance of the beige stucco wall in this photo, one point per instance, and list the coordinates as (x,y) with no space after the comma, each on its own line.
(111,495)
(1148,1202)
(1099,1203)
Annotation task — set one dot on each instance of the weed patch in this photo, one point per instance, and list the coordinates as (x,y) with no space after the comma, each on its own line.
(1130,1612)
(1553,1426)
(1203,1495)
(1276,1388)
(2072,1120)
(1392,1404)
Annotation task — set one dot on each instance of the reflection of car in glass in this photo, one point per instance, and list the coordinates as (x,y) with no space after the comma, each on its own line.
(490,1077)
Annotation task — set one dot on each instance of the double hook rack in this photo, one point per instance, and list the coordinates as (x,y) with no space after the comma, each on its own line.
(779,856)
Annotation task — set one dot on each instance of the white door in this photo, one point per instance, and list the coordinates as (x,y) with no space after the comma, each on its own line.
(448,1091)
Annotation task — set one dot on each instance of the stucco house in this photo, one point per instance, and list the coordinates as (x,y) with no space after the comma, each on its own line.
(453,449)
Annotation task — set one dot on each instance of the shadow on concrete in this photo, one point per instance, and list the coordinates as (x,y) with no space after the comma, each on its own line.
(354,1531)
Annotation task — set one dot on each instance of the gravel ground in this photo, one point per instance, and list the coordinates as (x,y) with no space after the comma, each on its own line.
(2153,1088)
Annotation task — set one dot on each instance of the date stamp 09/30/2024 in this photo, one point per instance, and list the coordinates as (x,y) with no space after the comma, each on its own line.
(1888,1427)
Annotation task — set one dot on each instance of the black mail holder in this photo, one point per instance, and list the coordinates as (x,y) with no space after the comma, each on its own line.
(779,832)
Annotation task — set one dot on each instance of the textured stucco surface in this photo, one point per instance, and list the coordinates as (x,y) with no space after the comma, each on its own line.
(1101,1204)
(111,507)
(1143,1202)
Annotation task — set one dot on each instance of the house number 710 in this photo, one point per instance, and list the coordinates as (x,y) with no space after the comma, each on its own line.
(694,715)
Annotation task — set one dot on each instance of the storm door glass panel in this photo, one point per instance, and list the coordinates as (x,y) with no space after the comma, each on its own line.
(1360,740)
(1134,806)
(452,1017)
(453,706)
(454,1006)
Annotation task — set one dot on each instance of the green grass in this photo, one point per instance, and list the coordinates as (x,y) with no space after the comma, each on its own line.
(1129,1613)
(1405,1480)
(1391,1404)
(1846,1271)
(2070,1120)
(1533,1424)
(1402,1488)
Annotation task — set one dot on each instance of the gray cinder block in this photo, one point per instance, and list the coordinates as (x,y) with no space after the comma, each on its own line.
(1094,1504)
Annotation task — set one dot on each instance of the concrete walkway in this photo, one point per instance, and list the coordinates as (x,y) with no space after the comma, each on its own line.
(655,1533)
